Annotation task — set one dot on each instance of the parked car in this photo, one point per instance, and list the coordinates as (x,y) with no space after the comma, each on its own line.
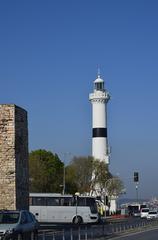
(152,214)
(18,225)
(144,212)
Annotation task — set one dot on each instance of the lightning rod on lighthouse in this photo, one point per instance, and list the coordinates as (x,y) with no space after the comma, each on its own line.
(99,99)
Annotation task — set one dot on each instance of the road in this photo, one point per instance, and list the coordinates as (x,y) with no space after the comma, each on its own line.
(145,235)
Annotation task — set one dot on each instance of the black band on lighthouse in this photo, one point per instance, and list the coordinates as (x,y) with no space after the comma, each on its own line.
(99,132)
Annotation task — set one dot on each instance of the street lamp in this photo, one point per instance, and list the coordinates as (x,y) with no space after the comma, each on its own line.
(64,179)
(64,165)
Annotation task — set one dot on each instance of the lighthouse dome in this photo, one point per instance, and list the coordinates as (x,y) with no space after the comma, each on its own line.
(99,84)
(99,79)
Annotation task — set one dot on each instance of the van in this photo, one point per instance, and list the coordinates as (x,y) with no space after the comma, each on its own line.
(144,212)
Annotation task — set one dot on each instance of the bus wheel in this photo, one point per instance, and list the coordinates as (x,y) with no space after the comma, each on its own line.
(77,220)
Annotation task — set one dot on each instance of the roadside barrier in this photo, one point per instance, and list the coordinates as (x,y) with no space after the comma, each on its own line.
(89,232)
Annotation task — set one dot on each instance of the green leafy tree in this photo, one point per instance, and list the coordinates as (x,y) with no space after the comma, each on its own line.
(46,171)
(70,180)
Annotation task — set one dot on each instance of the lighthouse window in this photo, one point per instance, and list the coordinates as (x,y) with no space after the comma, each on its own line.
(99,86)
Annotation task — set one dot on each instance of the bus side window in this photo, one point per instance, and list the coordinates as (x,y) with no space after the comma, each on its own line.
(61,201)
(38,201)
(65,201)
(53,201)
(81,201)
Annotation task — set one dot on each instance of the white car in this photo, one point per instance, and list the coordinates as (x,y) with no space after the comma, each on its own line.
(144,212)
(152,214)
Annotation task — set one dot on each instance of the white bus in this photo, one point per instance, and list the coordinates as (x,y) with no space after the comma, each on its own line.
(57,208)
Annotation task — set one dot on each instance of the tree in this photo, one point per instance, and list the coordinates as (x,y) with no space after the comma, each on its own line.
(84,174)
(70,180)
(45,171)
(100,175)
(114,187)
(79,174)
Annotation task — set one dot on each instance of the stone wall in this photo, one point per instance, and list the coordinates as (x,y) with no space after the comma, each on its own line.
(14,176)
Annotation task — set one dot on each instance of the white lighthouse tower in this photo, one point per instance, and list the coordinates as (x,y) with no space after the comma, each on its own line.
(99,99)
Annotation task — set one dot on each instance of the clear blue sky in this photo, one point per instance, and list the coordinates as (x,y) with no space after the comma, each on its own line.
(49,52)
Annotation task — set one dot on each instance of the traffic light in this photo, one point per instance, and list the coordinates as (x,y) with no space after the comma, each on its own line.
(136,177)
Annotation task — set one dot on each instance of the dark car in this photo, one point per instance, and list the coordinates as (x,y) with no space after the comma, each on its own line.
(18,225)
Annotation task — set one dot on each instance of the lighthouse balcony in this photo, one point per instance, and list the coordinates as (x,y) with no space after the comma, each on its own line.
(99,95)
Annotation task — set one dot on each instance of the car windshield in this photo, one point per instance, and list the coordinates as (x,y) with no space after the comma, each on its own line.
(145,210)
(8,217)
(153,212)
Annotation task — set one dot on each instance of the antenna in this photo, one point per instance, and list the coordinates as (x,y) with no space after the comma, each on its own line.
(98,71)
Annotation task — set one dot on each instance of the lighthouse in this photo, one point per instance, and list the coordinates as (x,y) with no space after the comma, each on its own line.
(99,99)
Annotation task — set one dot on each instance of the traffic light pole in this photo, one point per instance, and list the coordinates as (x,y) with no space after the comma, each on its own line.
(137,192)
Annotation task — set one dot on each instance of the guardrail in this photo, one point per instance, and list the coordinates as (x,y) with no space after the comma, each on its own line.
(89,232)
